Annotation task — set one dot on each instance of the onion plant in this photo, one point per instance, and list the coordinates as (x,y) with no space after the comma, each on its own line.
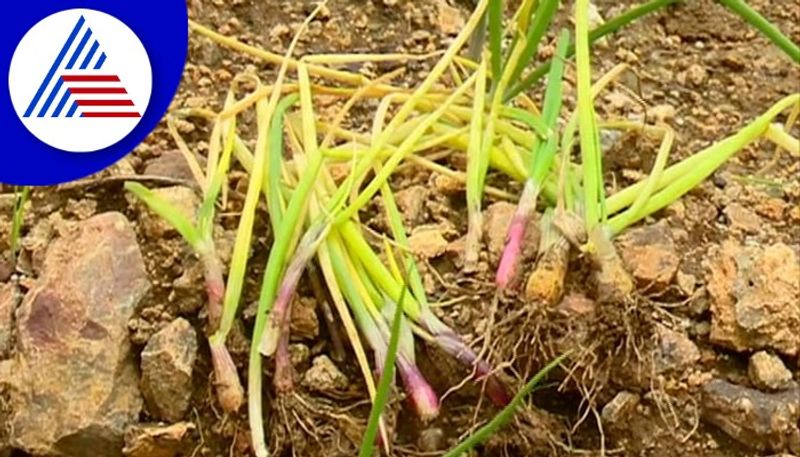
(200,237)
(481,113)
(21,196)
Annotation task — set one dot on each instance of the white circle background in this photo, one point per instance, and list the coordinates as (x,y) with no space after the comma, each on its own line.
(35,54)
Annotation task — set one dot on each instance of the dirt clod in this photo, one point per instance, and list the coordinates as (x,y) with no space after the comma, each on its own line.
(742,218)
(324,376)
(73,322)
(766,422)
(153,440)
(650,255)
(619,408)
(767,372)
(428,242)
(9,296)
(170,164)
(754,291)
(185,200)
(676,351)
(304,323)
(411,202)
(431,440)
(5,270)
(167,363)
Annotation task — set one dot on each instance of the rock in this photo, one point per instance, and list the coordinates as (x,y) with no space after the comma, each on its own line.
(184,200)
(496,219)
(617,411)
(75,386)
(304,323)
(767,372)
(763,421)
(167,364)
(299,354)
(742,218)
(170,164)
(152,440)
(6,270)
(772,208)
(754,294)
(449,20)
(411,203)
(662,113)
(576,304)
(431,440)
(428,242)
(686,283)
(649,254)
(9,297)
(696,75)
(676,351)
(447,185)
(324,377)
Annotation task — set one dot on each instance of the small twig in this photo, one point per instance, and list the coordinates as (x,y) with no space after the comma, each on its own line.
(94,182)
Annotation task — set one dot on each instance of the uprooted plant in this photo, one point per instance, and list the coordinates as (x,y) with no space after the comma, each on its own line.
(477,109)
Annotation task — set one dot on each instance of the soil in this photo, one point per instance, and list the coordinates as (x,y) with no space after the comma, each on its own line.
(698,68)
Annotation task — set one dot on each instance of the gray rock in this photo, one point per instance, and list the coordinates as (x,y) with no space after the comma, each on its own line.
(75,387)
(763,421)
(167,364)
(9,297)
(767,372)
(676,351)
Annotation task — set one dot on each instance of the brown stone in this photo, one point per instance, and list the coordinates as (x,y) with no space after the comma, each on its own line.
(411,203)
(755,293)
(767,372)
(324,376)
(742,218)
(650,255)
(428,242)
(304,323)
(183,199)
(153,440)
(9,297)
(167,365)
(74,388)
(170,164)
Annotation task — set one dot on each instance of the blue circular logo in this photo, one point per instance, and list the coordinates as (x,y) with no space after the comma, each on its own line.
(87,82)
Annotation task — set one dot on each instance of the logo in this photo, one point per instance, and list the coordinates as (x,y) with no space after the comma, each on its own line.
(80,80)
(88,80)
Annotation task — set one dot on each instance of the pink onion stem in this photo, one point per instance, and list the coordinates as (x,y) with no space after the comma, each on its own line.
(509,261)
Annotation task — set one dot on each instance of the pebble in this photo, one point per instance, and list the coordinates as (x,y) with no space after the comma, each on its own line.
(324,376)
(167,365)
(768,373)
